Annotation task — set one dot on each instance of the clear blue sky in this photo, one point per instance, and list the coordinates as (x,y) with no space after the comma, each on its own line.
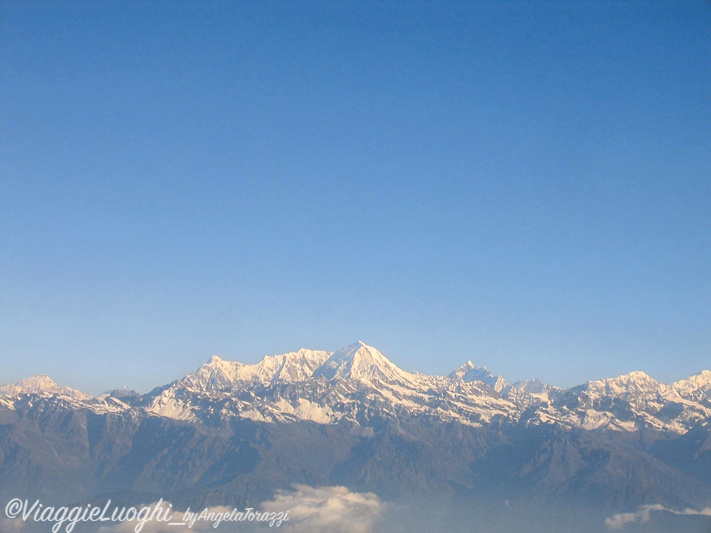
(523,184)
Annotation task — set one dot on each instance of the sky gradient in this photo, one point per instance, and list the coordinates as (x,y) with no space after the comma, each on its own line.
(526,186)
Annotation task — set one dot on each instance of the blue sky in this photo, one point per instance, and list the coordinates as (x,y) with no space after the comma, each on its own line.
(526,185)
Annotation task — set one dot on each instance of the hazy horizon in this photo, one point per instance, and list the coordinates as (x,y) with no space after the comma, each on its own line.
(413,370)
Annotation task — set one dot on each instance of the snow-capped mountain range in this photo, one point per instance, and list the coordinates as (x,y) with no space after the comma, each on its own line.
(233,434)
(359,386)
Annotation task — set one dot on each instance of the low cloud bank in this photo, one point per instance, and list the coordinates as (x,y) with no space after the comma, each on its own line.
(302,509)
(643,514)
(327,509)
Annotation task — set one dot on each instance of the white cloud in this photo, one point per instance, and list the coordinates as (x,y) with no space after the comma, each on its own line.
(310,509)
(643,514)
(327,509)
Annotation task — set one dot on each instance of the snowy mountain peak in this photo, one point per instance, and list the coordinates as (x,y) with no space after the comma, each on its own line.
(702,379)
(531,386)
(123,392)
(215,374)
(636,379)
(358,382)
(219,374)
(470,372)
(599,403)
(364,363)
(38,384)
(696,387)
(634,384)
(41,384)
(293,366)
(530,392)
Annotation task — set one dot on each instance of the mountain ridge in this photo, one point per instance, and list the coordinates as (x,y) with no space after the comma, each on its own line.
(233,432)
(328,387)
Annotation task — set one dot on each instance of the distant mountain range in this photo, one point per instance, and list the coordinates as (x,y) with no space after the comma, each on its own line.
(232,433)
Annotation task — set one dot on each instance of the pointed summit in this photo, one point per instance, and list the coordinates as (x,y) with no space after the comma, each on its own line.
(363,363)
(215,374)
(462,370)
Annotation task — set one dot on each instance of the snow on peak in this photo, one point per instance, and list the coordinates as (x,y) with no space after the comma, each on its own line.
(292,366)
(696,387)
(216,373)
(37,384)
(636,378)
(469,372)
(530,392)
(123,392)
(634,384)
(364,363)
(219,374)
(531,386)
(462,370)
(702,379)
(40,384)
(644,394)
